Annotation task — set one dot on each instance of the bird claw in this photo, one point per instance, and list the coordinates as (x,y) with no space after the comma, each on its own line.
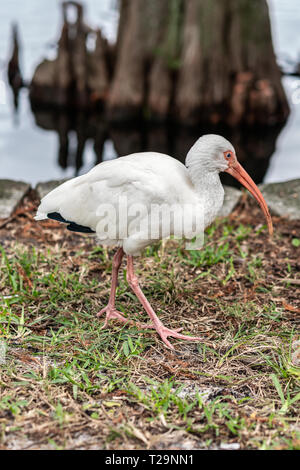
(111,313)
(164,332)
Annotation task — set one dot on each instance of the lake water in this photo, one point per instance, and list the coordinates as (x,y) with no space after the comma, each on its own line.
(31,144)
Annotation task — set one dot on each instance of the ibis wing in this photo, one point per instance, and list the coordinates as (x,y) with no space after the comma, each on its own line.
(139,178)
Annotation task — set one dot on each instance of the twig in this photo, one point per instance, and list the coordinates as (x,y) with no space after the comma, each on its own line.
(291,281)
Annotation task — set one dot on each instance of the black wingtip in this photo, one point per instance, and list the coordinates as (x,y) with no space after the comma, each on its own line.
(73,227)
(56,216)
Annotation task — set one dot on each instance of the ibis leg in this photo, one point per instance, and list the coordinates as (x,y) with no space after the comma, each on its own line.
(163,331)
(110,309)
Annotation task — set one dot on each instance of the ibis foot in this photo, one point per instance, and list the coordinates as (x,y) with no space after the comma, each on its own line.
(164,332)
(111,313)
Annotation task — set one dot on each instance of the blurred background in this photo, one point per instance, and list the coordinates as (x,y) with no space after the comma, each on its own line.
(41,142)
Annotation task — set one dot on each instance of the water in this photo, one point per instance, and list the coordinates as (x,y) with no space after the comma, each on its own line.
(31,146)
(285,19)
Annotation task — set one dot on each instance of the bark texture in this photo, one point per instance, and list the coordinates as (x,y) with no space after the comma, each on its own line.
(140,30)
(197,60)
(228,65)
(189,60)
(78,77)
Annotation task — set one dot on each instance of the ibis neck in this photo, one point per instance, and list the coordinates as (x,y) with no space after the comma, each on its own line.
(209,189)
(202,178)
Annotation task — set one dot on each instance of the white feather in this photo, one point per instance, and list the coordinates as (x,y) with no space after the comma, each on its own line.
(147,178)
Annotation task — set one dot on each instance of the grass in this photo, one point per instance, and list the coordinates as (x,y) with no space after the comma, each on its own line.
(65,383)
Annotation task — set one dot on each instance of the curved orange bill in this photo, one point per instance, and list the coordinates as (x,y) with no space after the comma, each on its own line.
(238,172)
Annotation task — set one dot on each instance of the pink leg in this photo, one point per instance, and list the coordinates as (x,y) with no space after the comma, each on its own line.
(110,309)
(163,331)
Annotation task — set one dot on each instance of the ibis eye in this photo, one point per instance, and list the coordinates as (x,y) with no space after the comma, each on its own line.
(228,155)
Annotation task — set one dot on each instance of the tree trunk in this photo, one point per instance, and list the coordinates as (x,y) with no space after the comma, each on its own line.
(229,70)
(77,78)
(192,61)
(13,68)
(165,62)
(98,75)
(140,31)
(14,73)
(197,60)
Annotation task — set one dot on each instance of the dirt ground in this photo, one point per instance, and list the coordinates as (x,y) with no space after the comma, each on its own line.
(65,383)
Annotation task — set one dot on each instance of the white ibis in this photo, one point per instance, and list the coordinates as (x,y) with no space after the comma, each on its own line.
(90,204)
